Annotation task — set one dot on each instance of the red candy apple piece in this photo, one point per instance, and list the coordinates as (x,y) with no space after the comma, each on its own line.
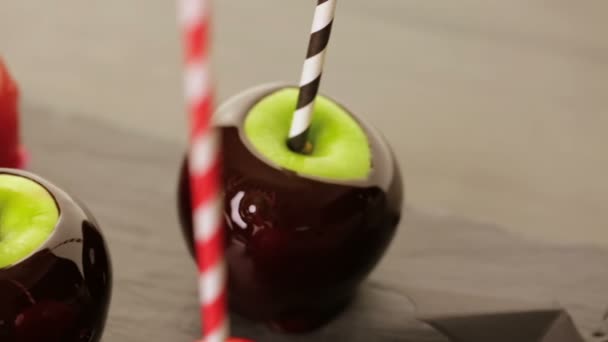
(9,120)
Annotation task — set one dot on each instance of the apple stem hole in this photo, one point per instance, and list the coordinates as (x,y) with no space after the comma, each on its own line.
(307,148)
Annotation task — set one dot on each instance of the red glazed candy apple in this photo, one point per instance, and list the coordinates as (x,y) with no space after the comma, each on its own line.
(55,273)
(10,151)
(302,231)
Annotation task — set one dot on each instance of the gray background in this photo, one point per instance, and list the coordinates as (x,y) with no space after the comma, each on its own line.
(497,109)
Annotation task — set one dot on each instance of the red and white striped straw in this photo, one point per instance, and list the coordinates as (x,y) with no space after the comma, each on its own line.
(204,161)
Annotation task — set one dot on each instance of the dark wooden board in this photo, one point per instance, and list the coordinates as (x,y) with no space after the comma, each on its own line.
(129,183)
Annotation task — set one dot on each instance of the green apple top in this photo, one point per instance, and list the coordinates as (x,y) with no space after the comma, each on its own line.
(28,216)
(341,149)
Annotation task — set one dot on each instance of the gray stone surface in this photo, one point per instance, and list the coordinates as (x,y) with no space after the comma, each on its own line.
(129,182)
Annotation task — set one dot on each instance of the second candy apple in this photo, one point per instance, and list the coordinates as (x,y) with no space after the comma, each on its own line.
(302,230)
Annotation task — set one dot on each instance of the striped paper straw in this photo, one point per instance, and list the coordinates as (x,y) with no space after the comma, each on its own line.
(194,16)
(311,75)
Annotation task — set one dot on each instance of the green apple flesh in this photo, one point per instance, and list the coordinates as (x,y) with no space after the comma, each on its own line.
(28,216)
(341,150)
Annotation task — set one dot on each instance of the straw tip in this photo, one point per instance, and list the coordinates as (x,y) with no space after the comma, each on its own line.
(307,148)
(299,147)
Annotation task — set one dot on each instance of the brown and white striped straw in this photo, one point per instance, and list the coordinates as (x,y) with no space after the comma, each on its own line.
(311,75)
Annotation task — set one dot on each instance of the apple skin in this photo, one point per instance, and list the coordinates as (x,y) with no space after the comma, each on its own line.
(62,291)
(291,278)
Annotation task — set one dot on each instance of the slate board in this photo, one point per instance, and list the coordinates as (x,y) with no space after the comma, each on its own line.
(129,183)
